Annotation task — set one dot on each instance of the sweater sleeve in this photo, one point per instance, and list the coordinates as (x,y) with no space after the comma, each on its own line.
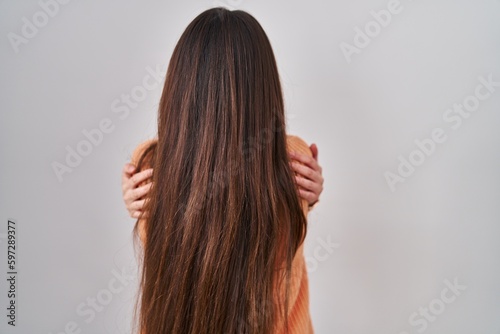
(136,155)
(299,319)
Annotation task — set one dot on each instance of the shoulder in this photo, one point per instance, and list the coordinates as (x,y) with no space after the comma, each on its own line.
(295,143)
(136,155)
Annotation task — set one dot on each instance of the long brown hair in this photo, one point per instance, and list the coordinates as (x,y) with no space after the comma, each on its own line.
(224,219)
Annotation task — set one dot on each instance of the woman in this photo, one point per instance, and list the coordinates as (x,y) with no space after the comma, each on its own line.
(223,226)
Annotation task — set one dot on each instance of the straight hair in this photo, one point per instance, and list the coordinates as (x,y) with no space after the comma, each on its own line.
(224,218)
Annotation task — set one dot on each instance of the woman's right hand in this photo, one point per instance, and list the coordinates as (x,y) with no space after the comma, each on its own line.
(133,191)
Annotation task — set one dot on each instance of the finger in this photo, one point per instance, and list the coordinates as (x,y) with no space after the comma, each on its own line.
(140,191)
(307,195)
(128,170)
(306,172)
(137,205)
(139,214)
(314,192)
(314,189)
(314,150)
(140,177)
(307,160)
(308,184)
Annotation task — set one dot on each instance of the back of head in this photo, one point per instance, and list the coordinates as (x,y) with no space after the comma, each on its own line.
(224,215)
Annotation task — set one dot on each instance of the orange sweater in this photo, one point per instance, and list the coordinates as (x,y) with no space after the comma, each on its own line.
(299,320)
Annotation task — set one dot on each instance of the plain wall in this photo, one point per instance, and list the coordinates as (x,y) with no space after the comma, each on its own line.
(380,258)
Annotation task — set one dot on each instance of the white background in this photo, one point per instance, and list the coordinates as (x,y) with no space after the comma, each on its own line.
(393,250)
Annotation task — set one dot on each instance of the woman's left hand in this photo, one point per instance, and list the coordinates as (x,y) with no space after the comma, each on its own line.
(310,178)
